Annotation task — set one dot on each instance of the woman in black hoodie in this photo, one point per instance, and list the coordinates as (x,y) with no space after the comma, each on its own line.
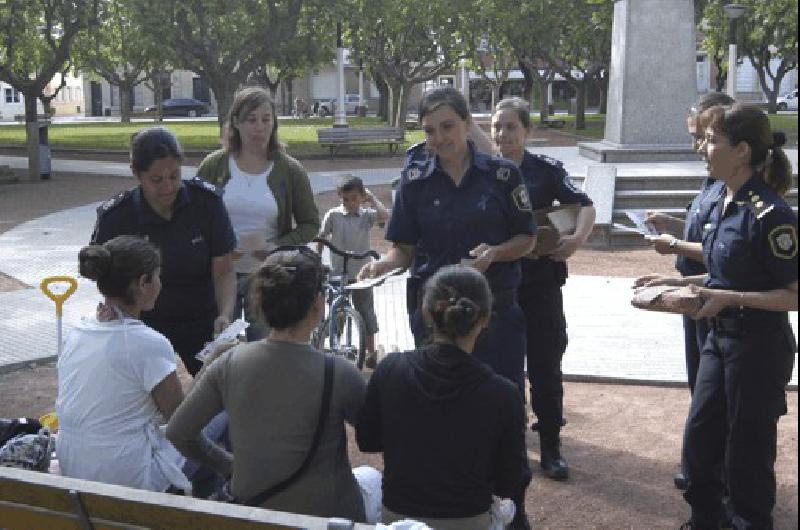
(451,431)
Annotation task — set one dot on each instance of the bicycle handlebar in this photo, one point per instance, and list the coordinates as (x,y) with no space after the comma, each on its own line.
(346,253)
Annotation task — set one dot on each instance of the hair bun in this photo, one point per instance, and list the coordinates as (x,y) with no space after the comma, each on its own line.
(778,139)
(274,275)
(94,262)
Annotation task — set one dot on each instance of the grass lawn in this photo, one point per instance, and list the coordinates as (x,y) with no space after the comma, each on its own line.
(299,135)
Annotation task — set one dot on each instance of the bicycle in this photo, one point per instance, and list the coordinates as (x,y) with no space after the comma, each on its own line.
(341,331)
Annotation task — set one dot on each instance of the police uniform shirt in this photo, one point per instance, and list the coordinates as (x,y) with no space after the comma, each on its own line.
(753,243)
(698,214)
(547,181)
(198,231)
(444,221)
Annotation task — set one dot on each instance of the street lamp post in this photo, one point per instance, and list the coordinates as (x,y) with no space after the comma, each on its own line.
(340,116)
(733,12)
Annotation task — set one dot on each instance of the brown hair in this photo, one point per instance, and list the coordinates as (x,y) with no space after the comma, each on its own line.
(117,263)
(246,101)
(518,105)
(456,298)
(285,286)
(438,97)
(749,124)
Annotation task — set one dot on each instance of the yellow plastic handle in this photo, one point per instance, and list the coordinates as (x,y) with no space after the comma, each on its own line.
(59,299)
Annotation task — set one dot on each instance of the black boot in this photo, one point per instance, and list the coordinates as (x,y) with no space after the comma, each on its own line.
(553,464)
(520,521)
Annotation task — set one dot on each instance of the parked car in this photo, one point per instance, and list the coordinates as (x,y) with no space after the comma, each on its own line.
(788,101)
(328,106)
(181,107)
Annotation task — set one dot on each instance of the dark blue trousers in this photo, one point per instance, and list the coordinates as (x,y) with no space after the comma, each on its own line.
(732,425)
(546,336)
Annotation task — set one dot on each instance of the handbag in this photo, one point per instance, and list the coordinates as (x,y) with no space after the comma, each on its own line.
(323,415)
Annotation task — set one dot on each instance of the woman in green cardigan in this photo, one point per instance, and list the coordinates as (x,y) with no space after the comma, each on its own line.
(266,192)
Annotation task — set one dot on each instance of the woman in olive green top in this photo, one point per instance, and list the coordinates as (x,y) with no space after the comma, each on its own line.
(272,391)
(266,192)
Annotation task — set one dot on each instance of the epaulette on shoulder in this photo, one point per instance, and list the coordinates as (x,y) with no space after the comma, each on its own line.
(113,202)
(416,149)
(548,160)
(759,205)
(197,182)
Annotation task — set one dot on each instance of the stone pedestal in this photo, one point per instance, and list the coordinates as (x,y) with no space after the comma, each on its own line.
(652,85)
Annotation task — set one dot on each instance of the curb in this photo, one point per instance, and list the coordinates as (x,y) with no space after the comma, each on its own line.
(596,379)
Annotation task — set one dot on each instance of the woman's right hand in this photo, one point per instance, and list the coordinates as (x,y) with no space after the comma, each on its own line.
(374,269)
(651,280)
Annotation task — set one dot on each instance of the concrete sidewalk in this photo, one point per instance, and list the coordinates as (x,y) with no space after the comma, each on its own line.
(609,339)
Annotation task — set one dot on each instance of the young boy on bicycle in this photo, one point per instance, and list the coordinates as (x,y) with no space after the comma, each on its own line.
(347,226)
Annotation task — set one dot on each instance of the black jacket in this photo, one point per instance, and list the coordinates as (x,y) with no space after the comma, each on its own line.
(452,433)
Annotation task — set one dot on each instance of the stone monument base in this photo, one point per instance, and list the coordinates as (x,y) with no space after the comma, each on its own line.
(610,152)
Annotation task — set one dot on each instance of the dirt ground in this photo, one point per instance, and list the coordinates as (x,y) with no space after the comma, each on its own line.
(622,441)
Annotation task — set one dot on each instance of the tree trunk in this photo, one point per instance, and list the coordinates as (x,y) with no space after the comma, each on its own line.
(544,104)
(223,87)
(289,93)
(580,104)
(125,102)
(495,95)
(383,96)
(394,96)
(158,92)
(32,134)
(527,80)
(722,77)
(602,84)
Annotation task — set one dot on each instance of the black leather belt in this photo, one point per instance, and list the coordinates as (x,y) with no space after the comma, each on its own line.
(749,321)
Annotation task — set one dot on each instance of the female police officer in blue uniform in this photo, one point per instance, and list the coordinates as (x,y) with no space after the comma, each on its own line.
(750,247)
(457,205)
(188,222)
(542,276)
(689,249)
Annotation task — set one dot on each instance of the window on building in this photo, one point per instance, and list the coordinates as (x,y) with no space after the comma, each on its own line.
(12,95)
(114,96)
(200,89)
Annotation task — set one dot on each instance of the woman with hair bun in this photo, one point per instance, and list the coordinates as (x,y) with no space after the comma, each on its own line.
(451,431)
(271,390)
(116,379)
(750,250)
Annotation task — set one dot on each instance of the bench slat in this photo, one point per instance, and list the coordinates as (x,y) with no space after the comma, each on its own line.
(43,497)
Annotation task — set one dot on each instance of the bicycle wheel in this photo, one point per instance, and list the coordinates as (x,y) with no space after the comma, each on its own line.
(344,335)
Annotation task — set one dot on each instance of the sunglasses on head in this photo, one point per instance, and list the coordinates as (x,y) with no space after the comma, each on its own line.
(301,249)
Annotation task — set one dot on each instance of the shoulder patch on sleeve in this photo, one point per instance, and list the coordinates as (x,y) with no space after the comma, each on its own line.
(521,199)
(113,202)
(204,184)
(783,241)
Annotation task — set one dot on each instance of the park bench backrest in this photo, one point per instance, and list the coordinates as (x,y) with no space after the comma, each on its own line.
(373,133)
(29,499)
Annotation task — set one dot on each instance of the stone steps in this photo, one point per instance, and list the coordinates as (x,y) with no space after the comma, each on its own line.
(665,193)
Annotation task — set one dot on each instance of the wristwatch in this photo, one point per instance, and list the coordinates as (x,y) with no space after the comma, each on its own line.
(674,242)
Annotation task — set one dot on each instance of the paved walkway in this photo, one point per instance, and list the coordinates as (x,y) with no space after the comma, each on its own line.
(609,339)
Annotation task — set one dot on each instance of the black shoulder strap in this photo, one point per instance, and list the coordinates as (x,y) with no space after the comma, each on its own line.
(323,416)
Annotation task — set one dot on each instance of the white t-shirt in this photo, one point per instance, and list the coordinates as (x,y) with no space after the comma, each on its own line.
(253,212)
(109,424)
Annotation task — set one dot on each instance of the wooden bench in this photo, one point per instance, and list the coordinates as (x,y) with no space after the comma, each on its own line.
(29,499)
(339,137)
(553,124)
